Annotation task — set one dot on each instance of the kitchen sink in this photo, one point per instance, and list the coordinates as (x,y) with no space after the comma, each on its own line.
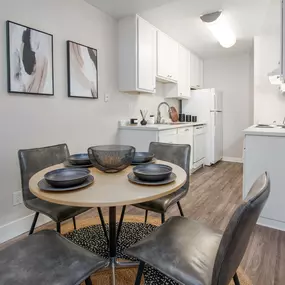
(174,123)
(263,126)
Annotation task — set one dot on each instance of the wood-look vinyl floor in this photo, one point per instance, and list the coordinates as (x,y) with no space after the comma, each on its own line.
(214,194)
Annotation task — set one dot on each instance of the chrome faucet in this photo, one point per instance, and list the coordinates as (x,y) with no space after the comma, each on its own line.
(158,120)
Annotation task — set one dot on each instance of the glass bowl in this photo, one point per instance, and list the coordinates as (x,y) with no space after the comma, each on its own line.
(111,158)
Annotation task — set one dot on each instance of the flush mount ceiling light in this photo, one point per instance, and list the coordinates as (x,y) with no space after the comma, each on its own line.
(220,28)
(275,77)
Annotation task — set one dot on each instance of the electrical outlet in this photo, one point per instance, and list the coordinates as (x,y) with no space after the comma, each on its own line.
(17,198)
(107,97)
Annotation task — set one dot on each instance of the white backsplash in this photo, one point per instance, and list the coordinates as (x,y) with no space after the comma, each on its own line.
(149,102)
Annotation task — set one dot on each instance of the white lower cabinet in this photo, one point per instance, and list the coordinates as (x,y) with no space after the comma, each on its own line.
(169,136)
(141,139)
(185,136)
(199,145)
(266,154)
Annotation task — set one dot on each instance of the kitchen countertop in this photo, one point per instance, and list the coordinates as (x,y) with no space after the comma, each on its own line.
(275,131)
(159,127)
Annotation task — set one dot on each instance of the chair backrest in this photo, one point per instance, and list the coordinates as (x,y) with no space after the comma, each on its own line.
(238,231)
(178,154)
(36,159)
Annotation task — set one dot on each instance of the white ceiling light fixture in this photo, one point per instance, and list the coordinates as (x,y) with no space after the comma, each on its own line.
(217,23)
(275,77)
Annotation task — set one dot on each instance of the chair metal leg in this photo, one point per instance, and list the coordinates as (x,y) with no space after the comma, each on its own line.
(88,281)
(74,222)
(236,280)
(103,224)
(162,218)
(180,209)
(121,221)
(140,273)
(34,223)
(145,217)
(58,227)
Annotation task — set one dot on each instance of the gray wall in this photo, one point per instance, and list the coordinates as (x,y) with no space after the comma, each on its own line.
(34,121)
(234,76)
(269,103)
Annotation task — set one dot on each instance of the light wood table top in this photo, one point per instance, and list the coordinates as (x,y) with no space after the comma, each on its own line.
(108,190)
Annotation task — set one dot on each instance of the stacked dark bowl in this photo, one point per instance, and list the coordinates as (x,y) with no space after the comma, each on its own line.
(152,172)
(111,158)
(79,159)
(142,157)
(66,177)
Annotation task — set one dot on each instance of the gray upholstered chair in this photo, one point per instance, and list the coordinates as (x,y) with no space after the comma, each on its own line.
(192,253)
(47,258)
(178,154)
(34,160)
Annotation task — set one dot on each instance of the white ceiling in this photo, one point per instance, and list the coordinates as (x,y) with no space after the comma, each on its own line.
(180,19)
(122,8)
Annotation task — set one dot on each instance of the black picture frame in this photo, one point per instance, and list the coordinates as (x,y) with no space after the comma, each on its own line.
(69,75)
(9,77)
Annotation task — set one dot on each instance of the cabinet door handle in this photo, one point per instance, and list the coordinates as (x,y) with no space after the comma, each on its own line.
(187,130)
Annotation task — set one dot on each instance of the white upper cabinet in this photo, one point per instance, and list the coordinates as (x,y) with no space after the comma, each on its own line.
(147,54)
(137,55)
(167,58)
(146,50)
(181,90)
(196,71)
(201,78)
(184,86)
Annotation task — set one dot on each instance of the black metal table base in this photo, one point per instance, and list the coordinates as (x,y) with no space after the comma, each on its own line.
(113,262)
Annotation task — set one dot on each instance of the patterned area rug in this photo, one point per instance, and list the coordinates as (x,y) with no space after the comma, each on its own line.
(92,238)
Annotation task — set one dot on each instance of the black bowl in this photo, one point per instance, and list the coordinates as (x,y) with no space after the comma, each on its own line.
(142,157)
(66,177)
(152,172)
(111,158)
(79,159)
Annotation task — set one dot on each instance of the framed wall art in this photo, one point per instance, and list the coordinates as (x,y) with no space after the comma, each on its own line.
(82,69)
(29,60)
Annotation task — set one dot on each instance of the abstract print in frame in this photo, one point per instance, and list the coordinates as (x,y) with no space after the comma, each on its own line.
(30,60)
(82,69)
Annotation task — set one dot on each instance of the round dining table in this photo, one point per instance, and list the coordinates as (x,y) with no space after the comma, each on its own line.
(109,190)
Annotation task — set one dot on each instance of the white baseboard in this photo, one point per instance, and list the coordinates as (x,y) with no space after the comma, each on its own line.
(269,223)
(233,159)
(20,226)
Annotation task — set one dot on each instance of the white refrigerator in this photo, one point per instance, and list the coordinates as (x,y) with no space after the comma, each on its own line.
(207,105)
